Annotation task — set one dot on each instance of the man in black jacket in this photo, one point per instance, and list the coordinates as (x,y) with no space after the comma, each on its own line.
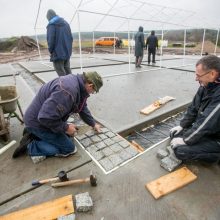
(152,45)
(198,136)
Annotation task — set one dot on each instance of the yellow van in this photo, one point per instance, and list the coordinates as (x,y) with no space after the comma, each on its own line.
(106,41)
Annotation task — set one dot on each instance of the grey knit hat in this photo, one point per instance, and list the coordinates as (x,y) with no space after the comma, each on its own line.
(50,14)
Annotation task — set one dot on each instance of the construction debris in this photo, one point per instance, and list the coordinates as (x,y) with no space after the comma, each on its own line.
(23,43)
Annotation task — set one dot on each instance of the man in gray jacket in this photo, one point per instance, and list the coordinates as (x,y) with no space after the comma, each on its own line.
(47,132)
(139,46)
(198,135)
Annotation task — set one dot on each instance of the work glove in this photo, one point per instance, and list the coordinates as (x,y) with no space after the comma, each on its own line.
(174,131)
(177,142)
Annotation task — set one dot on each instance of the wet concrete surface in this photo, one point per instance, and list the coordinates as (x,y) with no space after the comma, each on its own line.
(44,66)
(120,194)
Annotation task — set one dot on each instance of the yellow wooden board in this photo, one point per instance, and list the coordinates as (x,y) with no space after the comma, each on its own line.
(170,182)
(46,211)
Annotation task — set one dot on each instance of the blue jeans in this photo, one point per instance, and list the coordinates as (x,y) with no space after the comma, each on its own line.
(49,143)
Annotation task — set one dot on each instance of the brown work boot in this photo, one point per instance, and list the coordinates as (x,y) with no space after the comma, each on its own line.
(22,148)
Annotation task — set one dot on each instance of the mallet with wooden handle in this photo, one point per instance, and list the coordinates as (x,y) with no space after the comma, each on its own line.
(92,179)
(62,176)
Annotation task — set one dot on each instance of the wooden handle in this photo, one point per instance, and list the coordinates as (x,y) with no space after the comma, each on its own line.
(39,182)
(49,180)
(70,182)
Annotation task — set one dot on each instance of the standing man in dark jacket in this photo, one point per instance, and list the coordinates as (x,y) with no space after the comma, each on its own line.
(152,45)
(59,40)
(139,46)
(47,130)
(198,136)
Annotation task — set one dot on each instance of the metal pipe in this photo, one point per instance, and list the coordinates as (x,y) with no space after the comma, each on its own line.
(216,43)
(203,40)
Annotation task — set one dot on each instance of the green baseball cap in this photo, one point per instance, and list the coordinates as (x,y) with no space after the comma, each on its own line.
(95,79)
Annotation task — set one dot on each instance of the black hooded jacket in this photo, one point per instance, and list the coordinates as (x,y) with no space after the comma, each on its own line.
(202,118)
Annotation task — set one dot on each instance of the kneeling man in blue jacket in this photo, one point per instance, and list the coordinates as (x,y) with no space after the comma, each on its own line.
(47,132)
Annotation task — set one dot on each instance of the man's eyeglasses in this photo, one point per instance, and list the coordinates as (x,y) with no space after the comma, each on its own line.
(199,76)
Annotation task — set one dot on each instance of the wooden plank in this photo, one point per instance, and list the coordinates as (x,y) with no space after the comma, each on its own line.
(137,146)
(156,105)
(46,211)
(170,182)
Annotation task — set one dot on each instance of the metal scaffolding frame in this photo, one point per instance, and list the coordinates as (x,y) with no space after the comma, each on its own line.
(167,13)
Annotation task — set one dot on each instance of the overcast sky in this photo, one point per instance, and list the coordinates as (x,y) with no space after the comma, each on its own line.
(18,17)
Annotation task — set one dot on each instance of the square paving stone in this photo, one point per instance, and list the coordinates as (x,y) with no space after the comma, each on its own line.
(124,155)
(115,159)
(81,137)
(109,142)
(102,136)
(110,134)
(116,147)
(83,202)
(117,138)
(107,151)
(100,145)
(90,133)
(92,149)
(131,151)
(95,139)
(104,130)
(98,155)
(106,164)
(124,144)
(86,142)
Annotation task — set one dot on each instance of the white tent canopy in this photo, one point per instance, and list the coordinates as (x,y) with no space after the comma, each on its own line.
(119,15)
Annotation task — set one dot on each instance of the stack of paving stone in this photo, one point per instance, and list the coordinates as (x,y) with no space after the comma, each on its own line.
(107,147)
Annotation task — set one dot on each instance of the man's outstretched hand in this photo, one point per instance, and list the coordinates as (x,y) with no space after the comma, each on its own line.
(71,129)
(97,128)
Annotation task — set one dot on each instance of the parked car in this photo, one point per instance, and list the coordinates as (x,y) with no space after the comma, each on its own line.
(106,41)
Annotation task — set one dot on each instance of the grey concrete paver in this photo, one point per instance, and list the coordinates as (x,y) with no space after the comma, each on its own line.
(106,164)
(115,159)
(107,151)
(116,147)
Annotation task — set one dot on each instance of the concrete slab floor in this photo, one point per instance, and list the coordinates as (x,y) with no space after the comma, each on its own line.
(7,70)
(122,194)
(104,71)
(134,92)
(37,66)
(119,102)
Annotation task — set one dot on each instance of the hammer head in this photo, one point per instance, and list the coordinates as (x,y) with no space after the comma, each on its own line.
(93,180)
(63,176)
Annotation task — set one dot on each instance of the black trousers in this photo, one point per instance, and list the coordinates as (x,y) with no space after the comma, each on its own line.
(153,52)
(207,150)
